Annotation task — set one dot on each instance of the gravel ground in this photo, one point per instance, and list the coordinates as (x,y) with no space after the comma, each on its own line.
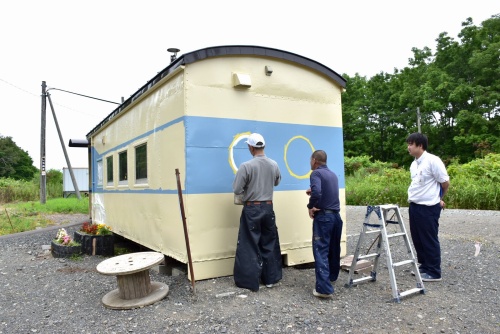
(42,294)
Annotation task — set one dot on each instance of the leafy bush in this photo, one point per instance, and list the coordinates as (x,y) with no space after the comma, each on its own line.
(17,190)
(479,169)
(354,164)
(472,186)
(385,187)
(21,190)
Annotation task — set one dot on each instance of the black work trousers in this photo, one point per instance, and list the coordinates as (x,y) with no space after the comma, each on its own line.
(258,253)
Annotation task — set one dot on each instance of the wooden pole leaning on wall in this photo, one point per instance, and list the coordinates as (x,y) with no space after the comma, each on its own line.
(186,235)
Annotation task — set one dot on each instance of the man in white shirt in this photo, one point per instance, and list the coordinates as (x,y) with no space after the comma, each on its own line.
(429,184)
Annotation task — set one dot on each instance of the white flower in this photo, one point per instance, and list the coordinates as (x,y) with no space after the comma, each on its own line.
(61,233)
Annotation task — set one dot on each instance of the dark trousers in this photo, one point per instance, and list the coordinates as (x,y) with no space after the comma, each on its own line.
(327,232)
(424,228)
(258,253)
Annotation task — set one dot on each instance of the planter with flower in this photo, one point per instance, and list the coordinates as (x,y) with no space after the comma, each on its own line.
(64,246)
(96,239)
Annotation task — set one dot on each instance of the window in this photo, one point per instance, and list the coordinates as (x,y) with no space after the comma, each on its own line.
(141,164)
(109,170)
(122,167)
(99,172)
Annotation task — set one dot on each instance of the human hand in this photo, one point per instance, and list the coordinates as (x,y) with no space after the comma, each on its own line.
(308,192)
(312,212)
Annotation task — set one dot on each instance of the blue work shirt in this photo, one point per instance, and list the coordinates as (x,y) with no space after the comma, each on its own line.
(324,189)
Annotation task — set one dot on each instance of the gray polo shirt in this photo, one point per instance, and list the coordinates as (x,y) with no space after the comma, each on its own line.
(256,179)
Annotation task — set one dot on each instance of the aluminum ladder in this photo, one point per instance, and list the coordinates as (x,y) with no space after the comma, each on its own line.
(380,230)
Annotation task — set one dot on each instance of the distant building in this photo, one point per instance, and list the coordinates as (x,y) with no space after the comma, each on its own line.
(81,178)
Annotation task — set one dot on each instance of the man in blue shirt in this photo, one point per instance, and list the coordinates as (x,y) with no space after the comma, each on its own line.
(324,207)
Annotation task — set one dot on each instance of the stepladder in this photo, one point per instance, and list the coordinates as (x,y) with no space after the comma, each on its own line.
(389,233)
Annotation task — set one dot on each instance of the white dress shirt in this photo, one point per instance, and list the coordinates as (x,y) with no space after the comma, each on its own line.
(427,174)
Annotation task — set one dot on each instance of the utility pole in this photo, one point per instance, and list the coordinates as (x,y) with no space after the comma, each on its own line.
(418,120)
(43,175)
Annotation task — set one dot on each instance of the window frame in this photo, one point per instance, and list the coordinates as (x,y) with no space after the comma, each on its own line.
(141,180)
(110,168)
(123,179)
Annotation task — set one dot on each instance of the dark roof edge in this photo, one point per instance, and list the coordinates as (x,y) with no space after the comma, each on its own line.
(218,51)
(230,50)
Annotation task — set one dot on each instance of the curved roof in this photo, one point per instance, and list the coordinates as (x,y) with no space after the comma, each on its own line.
(220,51)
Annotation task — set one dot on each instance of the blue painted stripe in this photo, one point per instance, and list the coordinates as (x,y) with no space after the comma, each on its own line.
(207,153)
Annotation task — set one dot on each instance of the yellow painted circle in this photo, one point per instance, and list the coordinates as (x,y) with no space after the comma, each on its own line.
(237,138)
(305,176)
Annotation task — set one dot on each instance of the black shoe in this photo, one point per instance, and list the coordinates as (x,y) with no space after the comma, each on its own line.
(428,278)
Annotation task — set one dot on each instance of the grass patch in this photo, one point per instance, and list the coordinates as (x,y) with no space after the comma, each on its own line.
(27,216)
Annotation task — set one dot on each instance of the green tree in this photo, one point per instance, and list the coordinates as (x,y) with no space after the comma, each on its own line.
(15,163)
(456,89)
(54,176)
(478,121)
(355,116)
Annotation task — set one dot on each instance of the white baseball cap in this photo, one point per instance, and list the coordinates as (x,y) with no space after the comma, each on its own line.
(256,140)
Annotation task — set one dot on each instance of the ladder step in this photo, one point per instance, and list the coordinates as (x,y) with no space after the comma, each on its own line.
(388,206)
(362,279)
(392,222)
(402,263)
(411,291)
(368,256)
(372,231)
(373,225)
(396,235)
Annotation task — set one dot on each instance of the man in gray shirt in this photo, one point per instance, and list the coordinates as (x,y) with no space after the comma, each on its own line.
(258,253)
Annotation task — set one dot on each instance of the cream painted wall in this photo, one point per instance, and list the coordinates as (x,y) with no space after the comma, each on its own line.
(292,92)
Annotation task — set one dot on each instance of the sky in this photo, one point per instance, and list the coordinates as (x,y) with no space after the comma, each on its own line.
(109,49)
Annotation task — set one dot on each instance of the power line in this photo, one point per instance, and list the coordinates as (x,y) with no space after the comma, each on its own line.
(90,97)
(11,84)
(55,103)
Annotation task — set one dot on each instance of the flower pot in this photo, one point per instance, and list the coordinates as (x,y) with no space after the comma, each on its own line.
(96,244)
(59,250)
